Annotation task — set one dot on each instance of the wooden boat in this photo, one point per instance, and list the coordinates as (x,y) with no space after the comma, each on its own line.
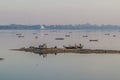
(45,34)
(65,50)
(85,36)
(69,47)
(34,33)
(20,36)
(73,47)
(36,37)
(67,35)
(93,40)
(114,35)
(61,50)
(106,34)
(70,32)
(59,38)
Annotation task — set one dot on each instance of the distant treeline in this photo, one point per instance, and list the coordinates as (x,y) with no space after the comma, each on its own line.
(81,26)
(19,27)
(59,27)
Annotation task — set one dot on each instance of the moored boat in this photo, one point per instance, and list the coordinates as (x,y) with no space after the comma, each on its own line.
(73,47)
(93,40)
(59,38)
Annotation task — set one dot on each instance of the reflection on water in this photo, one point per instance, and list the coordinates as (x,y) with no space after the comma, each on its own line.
(44,55)
(28,66)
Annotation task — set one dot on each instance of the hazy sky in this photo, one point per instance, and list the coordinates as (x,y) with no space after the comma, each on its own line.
(60,11)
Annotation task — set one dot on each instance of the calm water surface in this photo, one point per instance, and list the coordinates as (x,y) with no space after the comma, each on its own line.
(29,66)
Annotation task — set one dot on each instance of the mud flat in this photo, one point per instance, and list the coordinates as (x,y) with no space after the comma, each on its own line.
(63,50)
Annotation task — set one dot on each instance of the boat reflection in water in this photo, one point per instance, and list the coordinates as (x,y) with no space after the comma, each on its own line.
(45,54)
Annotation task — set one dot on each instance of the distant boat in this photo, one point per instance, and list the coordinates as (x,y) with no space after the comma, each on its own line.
(45,34)
(59,38)
(70,32)
(69,47)
(106,34)
(85,36)
(92,40)
(73,47)
(20,36)
(36,37)
(67,35)
(114,35)
(34,33)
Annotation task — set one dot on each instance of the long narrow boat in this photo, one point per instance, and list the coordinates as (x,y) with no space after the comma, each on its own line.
(93,40)
(64,50)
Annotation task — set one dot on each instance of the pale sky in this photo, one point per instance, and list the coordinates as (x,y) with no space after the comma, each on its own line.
(60,11)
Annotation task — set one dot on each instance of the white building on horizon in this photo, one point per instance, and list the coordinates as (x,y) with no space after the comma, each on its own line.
(42,27)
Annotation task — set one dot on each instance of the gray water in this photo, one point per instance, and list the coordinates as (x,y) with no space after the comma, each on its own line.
(29,66)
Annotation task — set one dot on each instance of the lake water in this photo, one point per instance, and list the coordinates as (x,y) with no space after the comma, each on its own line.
(29,66)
